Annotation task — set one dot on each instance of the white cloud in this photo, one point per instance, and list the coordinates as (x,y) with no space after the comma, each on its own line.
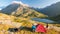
(0,9)
(19,2)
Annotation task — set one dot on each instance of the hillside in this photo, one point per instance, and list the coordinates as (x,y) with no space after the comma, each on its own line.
(52,10)
(21,10)
(56,18)
(8,21)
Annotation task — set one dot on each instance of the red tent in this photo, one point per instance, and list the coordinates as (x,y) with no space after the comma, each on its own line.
(40,28)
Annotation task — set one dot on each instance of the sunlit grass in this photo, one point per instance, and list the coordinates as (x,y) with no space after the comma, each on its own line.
(26,22)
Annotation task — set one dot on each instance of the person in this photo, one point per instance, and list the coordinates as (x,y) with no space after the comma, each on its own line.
(47,25)
(13,29)
(34,27)
(40,29)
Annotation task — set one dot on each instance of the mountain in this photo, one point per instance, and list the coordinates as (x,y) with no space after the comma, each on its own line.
(37,9)
(52,10)
(56,18)
(21,10)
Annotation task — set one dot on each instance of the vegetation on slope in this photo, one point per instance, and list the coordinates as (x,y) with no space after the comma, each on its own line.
(56,18)
(7,22)
(28,13)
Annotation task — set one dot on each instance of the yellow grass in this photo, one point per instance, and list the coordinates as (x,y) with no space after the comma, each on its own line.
(25,22)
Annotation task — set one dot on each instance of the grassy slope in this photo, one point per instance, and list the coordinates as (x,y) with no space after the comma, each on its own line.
(50,31)
(25,22)
(28,13)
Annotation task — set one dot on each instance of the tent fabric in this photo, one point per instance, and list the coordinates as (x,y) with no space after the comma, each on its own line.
(40,28)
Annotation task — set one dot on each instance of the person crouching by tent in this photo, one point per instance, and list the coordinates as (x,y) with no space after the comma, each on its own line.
(34,27)
(47,25)
(40,29)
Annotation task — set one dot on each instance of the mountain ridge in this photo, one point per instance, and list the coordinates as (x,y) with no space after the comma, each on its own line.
(52,10)
(20,10)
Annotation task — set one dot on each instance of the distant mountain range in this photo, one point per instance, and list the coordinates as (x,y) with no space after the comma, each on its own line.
(21,10)
(51,11)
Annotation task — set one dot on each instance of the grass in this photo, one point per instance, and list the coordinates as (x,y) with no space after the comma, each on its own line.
(25,31)
(26,23)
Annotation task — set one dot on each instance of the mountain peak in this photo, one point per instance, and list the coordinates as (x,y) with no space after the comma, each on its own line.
(19,2)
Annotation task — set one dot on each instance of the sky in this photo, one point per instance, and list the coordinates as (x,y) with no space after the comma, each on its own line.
(32,3)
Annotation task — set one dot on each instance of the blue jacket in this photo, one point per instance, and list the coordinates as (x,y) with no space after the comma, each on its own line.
(33,27)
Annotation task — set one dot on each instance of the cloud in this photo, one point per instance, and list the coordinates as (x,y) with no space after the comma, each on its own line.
(19,2)
(0,9)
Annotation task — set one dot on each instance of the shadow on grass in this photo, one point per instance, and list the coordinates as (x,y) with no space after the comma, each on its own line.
(21,28)
(27,29)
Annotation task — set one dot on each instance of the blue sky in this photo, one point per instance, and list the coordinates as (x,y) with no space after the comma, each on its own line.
(32,3)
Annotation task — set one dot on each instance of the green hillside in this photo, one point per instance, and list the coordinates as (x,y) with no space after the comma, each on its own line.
(28,13)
